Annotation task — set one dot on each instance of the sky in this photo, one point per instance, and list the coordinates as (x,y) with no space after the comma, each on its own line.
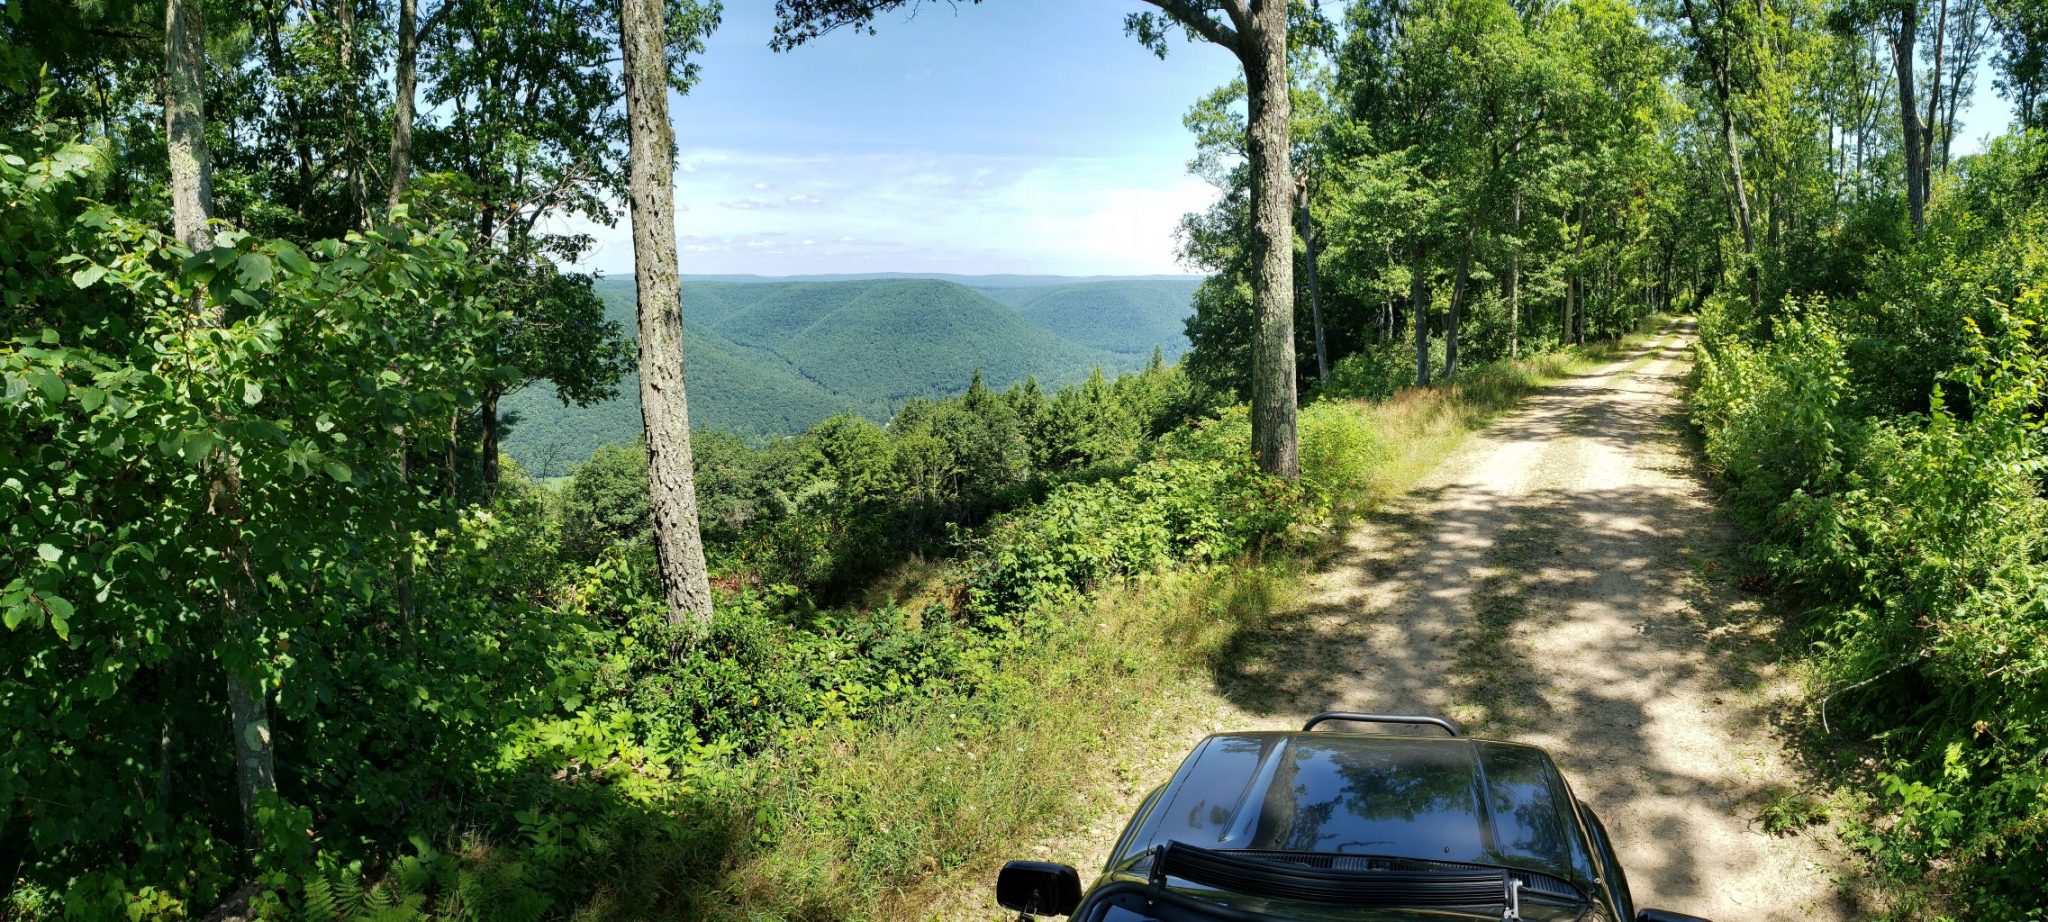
(1012,136)
(1026,136)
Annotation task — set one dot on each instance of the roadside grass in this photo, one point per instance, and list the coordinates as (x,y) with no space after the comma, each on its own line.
(883,820)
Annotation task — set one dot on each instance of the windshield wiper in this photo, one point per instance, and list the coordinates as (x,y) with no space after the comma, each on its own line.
(1536,884)
(1292,881)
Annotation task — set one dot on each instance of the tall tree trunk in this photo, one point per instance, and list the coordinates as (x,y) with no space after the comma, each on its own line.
(1515,282)
(185,123)
(487,420)
(664,407)
(1909,114)
(1717,64)
(405,73)
(353,156)
(1315,292)
(1456,314)
(1418,310)
(1263,52)
(191,210)
(1933,119)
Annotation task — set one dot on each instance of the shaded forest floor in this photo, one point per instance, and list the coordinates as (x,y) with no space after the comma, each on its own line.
(1562,578)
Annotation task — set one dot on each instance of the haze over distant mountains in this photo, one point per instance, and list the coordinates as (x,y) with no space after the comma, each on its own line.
(772,356)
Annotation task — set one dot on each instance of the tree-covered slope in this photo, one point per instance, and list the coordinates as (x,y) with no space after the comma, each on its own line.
(734,387)
(1128,316)
(908,338)
(779,311)
(771,358)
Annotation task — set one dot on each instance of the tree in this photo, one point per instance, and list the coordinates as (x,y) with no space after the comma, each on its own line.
(1712,41)
(192,216)
(404,76)
(664,406)
(2022,27)
(1255,32)
(529,128)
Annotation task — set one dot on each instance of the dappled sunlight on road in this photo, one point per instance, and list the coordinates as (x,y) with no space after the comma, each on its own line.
(1544,585)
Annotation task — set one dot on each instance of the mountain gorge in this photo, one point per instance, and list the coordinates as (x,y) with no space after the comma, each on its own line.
(770,357)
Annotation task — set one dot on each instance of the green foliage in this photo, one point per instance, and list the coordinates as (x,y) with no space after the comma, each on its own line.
(1130,318)
(1916,528)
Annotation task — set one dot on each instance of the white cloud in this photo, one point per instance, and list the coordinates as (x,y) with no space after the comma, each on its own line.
(915,212)
(686,167)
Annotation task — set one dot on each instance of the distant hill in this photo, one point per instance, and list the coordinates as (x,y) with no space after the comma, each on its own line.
(1128,316)
(734,387)
(772,357)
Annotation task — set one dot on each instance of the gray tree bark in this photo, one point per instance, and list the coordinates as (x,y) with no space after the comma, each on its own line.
(1909,115)
(354,157)
(405,74)
(1418,309)
(1933,118)
(185,123)
(191,212)
(1263,51)
(1456,315)
(1515,282)
(664,407)
(1717,63)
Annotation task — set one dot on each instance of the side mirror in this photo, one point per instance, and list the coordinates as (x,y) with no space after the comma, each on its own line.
(1040,888)
(1662,915)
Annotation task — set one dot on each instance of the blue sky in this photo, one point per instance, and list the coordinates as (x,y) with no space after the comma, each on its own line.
(1014,136)
(1026,136)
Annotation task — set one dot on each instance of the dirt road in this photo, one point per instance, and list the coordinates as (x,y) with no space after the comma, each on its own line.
(1558,581)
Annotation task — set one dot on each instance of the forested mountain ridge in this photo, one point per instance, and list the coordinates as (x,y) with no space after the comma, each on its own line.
(1131,317)
(772,357)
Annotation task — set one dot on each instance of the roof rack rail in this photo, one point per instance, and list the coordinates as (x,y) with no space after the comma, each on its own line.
(1357,717)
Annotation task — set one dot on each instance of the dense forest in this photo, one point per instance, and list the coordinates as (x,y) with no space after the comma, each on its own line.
(285,638)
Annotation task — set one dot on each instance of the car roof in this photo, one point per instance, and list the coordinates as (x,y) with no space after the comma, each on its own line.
(1426,799)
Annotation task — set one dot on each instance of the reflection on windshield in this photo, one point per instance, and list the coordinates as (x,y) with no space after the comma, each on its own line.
(1357,800)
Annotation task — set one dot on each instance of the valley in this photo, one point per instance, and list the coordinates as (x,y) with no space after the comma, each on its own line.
(769,357)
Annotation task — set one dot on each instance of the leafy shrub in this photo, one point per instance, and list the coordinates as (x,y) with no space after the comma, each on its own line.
(1341,452)
(1920,535)
(1373,373)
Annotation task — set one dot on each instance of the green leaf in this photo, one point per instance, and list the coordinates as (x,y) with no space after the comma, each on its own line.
(60,615)
(51,385)
(252,393)
(255,267)
(292,258)
(197,444)
(338,471)
(90,398)
(14,615)
(84,278)
(49,552)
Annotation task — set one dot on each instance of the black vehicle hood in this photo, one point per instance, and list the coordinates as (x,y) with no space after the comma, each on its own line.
(1454,800)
